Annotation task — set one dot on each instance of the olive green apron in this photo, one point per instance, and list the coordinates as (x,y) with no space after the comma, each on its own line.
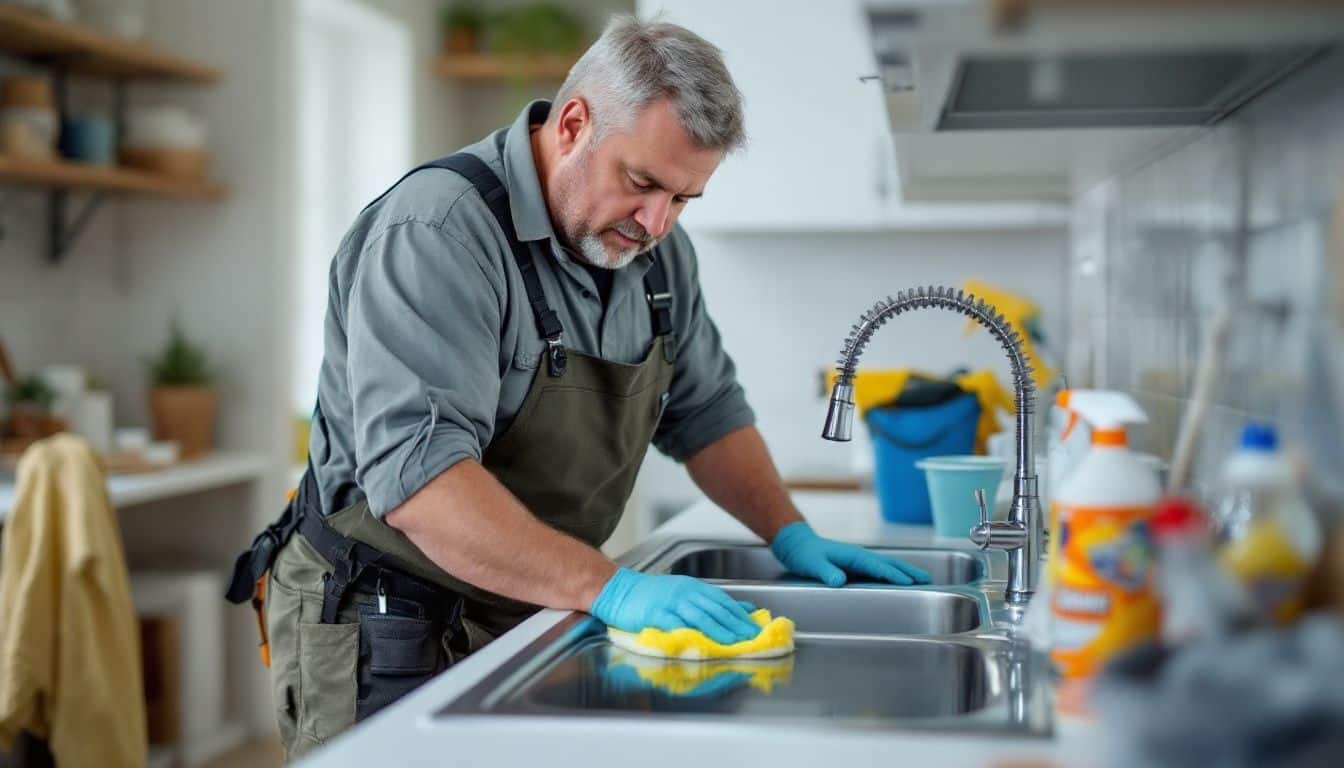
(570,455)
(600,417)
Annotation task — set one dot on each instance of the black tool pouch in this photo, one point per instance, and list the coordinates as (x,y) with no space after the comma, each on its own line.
(398,651)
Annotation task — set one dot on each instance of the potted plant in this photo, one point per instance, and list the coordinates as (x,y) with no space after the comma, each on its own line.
(538,29)
(529,34)
(29,400)
(182,401)
(462,23)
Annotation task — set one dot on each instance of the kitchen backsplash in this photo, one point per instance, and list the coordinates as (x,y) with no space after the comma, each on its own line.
(1238,214)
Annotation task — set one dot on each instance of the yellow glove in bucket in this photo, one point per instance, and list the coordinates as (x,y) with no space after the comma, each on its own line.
(774,640)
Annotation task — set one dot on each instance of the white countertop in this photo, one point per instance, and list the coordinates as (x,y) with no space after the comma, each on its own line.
(406,734)
(213,471)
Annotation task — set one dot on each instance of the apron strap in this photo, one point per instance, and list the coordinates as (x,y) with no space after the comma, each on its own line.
(496,197)
(659,296)
(491,189)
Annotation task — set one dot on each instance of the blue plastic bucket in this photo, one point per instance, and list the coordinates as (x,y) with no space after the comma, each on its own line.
(953,481)
(902,435)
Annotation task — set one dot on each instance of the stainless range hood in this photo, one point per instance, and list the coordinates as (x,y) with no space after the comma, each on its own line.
(958,65)
(1110,90)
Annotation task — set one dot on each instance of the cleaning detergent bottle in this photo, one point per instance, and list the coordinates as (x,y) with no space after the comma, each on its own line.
(1270,538)
(1103,596)
(1068,440)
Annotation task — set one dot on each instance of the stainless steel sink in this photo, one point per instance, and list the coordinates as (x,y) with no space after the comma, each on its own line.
(866,611)
(756,563)
(847,679)
(941,657)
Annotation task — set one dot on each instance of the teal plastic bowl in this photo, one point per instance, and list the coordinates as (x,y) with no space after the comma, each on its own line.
(952,482)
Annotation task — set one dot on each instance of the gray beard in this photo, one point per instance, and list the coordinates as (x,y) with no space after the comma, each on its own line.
(588,244)
(592,250)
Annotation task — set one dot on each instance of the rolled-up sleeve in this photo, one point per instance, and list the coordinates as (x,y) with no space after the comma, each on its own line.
(705,401)
(423,330)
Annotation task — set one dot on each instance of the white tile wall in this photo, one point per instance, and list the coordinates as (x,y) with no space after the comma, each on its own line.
(784,304)
(1155,252)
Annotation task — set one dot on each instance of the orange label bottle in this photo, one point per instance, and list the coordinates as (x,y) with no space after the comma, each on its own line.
(1103,598)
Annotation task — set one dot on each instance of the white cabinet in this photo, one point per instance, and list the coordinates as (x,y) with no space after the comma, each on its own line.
(819,154)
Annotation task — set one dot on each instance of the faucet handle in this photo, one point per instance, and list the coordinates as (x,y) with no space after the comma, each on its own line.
(984,532)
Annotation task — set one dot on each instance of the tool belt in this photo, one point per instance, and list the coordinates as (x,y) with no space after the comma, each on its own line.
(355,566)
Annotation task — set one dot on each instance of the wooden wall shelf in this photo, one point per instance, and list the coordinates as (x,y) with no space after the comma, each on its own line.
(81,177)
(487,68)
(83,50)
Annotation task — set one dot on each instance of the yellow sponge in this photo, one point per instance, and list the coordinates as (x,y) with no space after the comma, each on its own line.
(775,639)
(704,678)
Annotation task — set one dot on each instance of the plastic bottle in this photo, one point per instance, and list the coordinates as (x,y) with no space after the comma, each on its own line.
(1103,597)
(1270,538)
(1200,601)
(1068,440)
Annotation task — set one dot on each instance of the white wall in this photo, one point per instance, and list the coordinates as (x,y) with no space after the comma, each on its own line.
(229,269)
(225,269)
(42,304)
(784,304)
(356,74)
(1162,246)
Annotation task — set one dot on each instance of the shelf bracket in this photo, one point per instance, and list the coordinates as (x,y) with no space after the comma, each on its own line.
(62,234)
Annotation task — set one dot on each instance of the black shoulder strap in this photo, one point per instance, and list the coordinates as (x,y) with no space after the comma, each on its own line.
(660,304)
(496,197)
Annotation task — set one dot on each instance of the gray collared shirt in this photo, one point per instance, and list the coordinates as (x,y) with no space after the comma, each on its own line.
(431,346)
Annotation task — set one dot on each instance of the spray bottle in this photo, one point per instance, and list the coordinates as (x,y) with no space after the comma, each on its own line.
(1103,597)
(1068,439)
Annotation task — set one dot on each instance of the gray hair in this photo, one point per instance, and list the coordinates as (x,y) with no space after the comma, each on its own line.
(637,62)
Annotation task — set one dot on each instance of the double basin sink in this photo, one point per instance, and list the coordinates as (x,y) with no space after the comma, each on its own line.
(939,657)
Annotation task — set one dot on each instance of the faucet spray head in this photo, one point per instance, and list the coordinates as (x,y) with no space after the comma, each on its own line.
(840,413)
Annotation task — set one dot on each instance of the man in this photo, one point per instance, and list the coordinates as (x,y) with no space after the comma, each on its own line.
(507,332)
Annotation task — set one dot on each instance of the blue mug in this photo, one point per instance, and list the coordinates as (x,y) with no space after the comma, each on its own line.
(89,140)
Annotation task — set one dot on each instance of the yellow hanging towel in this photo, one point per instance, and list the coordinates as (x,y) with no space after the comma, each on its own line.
(69,637)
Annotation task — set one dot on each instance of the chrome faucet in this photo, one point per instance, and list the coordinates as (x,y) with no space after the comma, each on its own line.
(1021,536)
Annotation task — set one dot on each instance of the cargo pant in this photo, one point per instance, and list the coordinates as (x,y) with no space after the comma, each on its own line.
(327,677)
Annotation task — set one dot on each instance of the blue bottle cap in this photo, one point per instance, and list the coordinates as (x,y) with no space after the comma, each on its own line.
(1259,437)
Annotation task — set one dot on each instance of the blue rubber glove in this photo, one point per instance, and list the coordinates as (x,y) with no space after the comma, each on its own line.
(805,553)
(632,601)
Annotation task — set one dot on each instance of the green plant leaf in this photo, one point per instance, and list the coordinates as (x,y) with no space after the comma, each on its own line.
(462,15)
(181,363)
(32,390)
(540,28)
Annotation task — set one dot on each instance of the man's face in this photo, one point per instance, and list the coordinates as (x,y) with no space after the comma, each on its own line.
(617,197)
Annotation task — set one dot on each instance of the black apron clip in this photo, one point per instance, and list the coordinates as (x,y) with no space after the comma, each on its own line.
(556,357)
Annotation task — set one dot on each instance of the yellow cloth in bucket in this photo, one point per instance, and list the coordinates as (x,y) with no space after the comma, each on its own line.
(775,639)
(993,399)
(875,387)
(1020,312)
